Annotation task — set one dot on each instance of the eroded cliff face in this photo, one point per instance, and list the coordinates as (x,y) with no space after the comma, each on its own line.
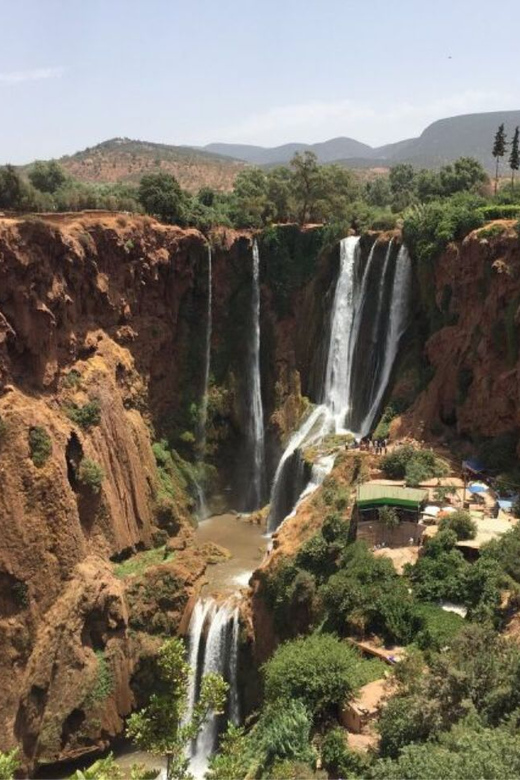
(89,322)
(102,333)
(468,301)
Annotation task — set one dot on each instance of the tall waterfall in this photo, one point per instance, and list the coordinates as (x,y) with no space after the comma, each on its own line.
(203,419)
(255,431)
(398,320)
(213,647)
(369,316)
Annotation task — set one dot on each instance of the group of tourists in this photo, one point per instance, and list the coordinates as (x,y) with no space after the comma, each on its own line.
(377,446)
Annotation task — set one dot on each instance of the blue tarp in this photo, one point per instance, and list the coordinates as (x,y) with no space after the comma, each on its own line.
(473,465)
(505,505)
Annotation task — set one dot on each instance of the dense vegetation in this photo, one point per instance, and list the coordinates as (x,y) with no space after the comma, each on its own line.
(302,191)
(457,690)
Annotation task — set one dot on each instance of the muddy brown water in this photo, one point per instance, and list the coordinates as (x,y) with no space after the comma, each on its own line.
(244,540)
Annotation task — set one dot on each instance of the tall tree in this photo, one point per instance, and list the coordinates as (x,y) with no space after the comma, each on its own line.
(161,727)
(499,149)
(307,183)
(514,157)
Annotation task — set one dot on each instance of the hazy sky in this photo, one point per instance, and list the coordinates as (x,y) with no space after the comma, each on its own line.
(76,72)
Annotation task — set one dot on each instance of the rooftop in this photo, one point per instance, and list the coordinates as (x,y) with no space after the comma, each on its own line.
(371,494)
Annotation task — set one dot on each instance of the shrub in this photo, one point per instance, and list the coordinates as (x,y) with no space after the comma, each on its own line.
(72,379)
(40,445)
(460,523)
(412,464)
(320,671)
(85,416)
(338,760)
(283,734)
(434,627)
(9,764)
(91,474)
(499,211)
(387,516)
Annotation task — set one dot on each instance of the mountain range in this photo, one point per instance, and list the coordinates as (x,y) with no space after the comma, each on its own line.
(217,164)
(470,135)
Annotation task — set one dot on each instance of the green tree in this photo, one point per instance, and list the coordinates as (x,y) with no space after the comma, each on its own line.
(307,183)
(320,670)
(464,753)
(465,174)
(499,150)
(402,185)
(234,756)
(460,523)
(47,176)
(514,156)
(283,734)
(387,516)
(161,195)
(160,727)
(12,189)
(250,205)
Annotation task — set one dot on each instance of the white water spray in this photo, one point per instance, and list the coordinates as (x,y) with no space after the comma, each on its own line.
(213,647)
(351,297)
(399,307)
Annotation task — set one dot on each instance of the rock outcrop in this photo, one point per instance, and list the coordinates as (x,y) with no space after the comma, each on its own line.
(102,332)
(470,302)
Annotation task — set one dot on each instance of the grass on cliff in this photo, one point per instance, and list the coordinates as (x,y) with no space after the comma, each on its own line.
(138,563)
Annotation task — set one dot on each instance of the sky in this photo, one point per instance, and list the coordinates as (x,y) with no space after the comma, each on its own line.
(74,73)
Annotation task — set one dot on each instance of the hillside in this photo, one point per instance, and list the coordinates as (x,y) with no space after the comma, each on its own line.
(122,159)
(326,151)
(443,141)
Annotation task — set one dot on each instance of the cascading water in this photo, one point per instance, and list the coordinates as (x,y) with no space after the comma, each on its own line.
(213,647)
(398,320)
(255,430)
(201,454)
(355,312)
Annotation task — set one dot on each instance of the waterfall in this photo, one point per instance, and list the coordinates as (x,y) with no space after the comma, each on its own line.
(357,310)
(203,419)
(255,432)
(213,647)
(398,315)
(344,328)
(199,616)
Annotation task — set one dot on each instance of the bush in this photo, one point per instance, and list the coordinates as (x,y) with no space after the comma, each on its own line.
(428,228)
(412,464)
(460,523)
(91,474)
(72,379)
(85,416)
(40,445)
(338,760)
(499,211)
(283,734)
(434,627)
(9,764)
(320,671)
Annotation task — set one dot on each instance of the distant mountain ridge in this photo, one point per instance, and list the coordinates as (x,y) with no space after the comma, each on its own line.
(327,151)
(468,135)
(217,164)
